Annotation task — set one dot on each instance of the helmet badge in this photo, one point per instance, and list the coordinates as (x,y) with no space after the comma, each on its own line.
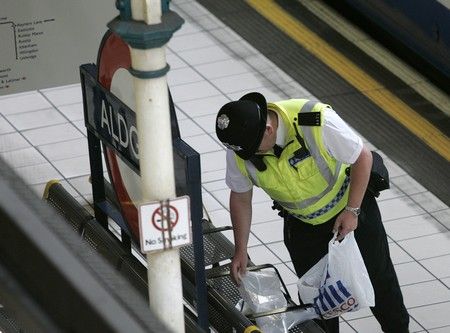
(223,121)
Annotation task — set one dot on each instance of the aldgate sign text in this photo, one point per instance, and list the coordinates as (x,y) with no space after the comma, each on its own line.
(111,120)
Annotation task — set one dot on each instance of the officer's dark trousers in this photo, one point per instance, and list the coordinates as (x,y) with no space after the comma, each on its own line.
(307,244)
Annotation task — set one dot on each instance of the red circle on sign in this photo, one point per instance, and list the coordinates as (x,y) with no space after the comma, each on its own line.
(158,223)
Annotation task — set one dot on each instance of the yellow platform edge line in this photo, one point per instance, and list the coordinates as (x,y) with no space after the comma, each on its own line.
(353,74)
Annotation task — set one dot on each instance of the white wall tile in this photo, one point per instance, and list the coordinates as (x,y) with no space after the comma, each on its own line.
(189,128)
(427,246)
(213,175)
(268,232)
(23,103)
(414,226)
(52,134)
(407,184)
(357,314)
(293,291)
(393,168)
(187,28)
(72,111)
(205,55)
(38,174)
(222,196)
(81,126)
(288,276)
(398,255)
(368,324)
(345,328)
(260,196)
(64,95)
(23,157)
(193,9)
(175,61)
(439,266)
(391,193)
(424,293)
(190,41)
(433,316)
(223,68)
(207,123)
(81,184)
(181,76)
(260,255)
(445,329)
(241,82)
(34,119)
(66,149)
(209,23)
(73,167)
(446,281)
(263,212)
(412,272)
(399,208)
(215,185)
(203,143)
(210,203)
(5,127)
(280,251)
(220,218)
(208,105)
(12,141)
(443,217)
(213,161)
(428,201)
(193,91)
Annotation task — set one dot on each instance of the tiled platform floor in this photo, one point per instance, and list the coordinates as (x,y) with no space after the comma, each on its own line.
(42,136)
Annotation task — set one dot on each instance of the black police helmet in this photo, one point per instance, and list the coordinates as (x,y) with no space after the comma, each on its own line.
(240,125)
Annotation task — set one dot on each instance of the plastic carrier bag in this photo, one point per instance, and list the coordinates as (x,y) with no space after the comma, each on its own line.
(261,292)
(339,282)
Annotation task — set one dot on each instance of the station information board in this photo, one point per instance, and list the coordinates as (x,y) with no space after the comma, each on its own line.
(44,42)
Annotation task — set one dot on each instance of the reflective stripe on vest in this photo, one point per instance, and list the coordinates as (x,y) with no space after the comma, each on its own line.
(329,206)
(330,177)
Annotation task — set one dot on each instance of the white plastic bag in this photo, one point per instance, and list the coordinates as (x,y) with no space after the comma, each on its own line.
(261,292)
(339,282)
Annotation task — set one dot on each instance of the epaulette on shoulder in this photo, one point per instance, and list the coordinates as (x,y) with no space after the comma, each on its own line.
(309,119)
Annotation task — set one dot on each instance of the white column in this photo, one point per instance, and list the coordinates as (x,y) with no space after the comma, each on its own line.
(156,165)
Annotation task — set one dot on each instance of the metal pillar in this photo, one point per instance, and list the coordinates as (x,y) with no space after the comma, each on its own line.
(146,26)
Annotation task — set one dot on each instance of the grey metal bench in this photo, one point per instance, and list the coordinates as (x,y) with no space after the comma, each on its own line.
(105,243)
(222,293)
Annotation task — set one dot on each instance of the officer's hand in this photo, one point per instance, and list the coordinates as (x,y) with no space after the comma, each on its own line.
(345,223)
(238,267)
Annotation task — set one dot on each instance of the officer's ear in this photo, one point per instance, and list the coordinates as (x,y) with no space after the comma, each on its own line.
(270,129)
(270,124)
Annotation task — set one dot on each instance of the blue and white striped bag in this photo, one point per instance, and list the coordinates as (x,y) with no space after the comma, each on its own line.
(339,282)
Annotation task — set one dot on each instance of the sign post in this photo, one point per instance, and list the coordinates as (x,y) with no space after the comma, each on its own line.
(146,26)
(100,107)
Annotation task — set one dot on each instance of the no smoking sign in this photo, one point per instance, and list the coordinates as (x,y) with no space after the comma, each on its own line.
(164,224)
(163,214)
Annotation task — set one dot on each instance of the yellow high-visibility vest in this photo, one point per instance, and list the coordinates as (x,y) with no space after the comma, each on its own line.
(306,181)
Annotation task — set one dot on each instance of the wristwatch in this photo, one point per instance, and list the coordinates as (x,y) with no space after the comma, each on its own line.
(356,211)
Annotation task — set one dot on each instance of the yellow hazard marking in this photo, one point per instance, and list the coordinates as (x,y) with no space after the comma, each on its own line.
(252,329)
(350,72)
(46,193)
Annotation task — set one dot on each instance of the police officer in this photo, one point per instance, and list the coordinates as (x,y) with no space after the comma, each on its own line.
(299,152)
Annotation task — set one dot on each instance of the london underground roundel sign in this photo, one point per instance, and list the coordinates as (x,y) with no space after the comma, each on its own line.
(113,63)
